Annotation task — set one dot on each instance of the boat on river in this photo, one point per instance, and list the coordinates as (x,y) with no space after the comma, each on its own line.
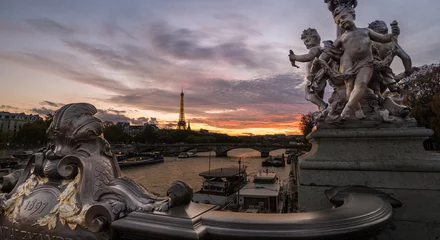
(9,162)
(187,155)
(139,159)
(5,171)
(23,155)
(292,158)
(275,161)
(262,195)
(220,186)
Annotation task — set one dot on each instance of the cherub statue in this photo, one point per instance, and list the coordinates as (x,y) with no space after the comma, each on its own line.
(314,89)
(383,76)
(356,62)
(384,53)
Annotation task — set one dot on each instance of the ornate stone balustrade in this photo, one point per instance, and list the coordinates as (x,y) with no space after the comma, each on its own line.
(360,217)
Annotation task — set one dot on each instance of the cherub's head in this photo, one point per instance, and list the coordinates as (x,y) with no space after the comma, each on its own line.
(344,16)
(379,27)
(311,38)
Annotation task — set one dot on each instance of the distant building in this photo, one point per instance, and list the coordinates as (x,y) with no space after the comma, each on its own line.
(154,126)
(12,122)
(204,131)
(135,130)
(274,136)
(125,126)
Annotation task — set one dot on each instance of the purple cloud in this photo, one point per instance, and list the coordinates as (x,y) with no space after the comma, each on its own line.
(52,104)
(116,116)
(49,26)
(42,111)
(184,43)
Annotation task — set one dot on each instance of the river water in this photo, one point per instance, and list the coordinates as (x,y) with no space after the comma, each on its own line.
(156,178)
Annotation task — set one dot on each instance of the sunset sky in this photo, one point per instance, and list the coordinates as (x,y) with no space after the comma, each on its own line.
(131,58)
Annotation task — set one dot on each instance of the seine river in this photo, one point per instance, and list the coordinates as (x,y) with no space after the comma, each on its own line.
(156,178)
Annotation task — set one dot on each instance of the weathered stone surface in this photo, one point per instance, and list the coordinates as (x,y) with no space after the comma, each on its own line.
(367,145)
(391,160)
(434,231)
(419,205)
(312,198)
(406,230)
(371,178)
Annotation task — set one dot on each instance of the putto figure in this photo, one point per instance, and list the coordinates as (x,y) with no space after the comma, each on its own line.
(356,62)
(314,89)
(384,54)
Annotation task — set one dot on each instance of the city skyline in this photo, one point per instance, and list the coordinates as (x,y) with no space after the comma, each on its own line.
(131,59)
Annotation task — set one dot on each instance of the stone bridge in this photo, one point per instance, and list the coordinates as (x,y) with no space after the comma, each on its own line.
(220,149)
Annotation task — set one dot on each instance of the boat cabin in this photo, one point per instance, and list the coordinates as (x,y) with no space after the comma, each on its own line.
(261,195)
(223,181)
(220,185)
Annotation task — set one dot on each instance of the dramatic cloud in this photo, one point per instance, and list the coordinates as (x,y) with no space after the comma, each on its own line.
(188,44)
(49,26)
(111,115)
(113,30)
(64,68)
(116,116)
(116,111)
(42,111)
(153,121)
(8,107)
(52,104)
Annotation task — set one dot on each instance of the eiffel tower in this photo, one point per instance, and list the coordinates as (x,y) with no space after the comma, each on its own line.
(181,125)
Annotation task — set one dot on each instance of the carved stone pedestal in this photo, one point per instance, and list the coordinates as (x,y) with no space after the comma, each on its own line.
(388,159)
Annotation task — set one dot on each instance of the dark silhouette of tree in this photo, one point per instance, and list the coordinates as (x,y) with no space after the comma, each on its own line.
(423,96)
(306,123)
(115,134)
(148,135)
(48,118)
(107,124)
(32,133)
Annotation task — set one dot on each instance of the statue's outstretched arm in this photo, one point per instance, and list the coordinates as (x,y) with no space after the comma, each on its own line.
(377,37)
(406,59)
(314,52)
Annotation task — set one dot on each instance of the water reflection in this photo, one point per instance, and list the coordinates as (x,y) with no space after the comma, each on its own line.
(157,177)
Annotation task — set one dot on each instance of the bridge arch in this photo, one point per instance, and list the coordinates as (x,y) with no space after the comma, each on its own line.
(221,149)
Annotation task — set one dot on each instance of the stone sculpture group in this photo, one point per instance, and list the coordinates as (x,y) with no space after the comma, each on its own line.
(357,66)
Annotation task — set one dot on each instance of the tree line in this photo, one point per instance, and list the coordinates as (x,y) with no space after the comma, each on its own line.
(29,134)
(34,135)
(154,135)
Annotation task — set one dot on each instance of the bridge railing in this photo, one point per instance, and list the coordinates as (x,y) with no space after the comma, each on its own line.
(360,217)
